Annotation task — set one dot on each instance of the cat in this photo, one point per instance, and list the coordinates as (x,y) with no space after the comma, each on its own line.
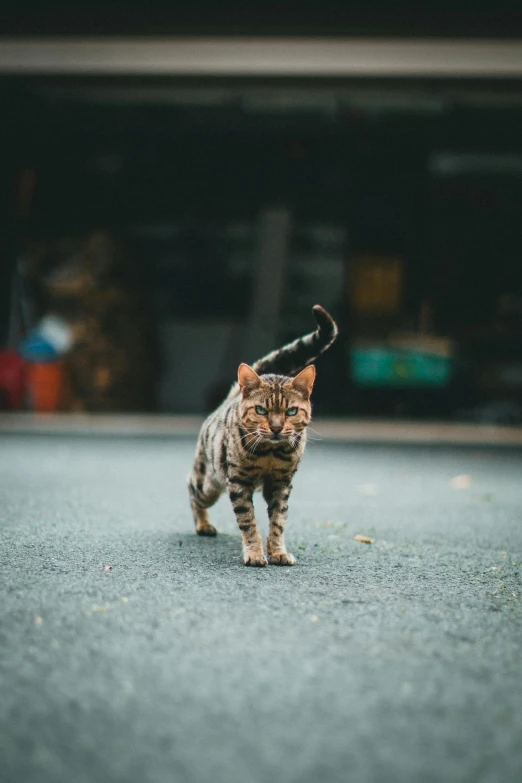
(255,440)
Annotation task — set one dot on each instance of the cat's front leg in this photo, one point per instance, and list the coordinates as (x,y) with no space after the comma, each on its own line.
(276,494)
(240,495)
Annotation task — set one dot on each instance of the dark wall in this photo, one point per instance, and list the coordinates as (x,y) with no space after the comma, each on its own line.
(264,17)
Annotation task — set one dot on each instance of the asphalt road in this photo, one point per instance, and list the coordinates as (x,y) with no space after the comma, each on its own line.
(398,661)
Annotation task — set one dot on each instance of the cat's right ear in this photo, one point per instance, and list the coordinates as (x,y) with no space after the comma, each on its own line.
(248,379)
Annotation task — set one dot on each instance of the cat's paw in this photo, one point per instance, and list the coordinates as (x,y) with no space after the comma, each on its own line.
(282,558)
(206,530)
(255,559)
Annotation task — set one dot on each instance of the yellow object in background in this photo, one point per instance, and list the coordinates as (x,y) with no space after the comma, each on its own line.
(376,285)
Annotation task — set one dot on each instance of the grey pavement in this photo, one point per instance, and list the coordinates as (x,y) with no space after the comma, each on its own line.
(132,651)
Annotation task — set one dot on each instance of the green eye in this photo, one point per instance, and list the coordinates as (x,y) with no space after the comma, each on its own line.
(291,411)
(260,410)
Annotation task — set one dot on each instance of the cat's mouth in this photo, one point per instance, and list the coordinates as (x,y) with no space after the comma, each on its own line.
(267,436)
(274,437)
(279,437)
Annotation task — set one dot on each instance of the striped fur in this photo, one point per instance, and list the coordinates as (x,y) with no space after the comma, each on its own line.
(255,440)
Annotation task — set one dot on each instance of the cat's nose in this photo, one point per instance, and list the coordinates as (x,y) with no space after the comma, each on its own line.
(276,428)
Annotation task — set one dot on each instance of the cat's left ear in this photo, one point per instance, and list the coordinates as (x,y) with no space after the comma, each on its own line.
(248,379)
(304,382)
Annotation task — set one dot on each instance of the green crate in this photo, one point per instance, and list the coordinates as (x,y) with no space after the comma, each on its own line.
(391,367)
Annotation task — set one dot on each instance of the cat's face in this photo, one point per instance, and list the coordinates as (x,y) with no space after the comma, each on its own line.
(275,408)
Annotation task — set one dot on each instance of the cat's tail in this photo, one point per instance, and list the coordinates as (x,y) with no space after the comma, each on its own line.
(295,356)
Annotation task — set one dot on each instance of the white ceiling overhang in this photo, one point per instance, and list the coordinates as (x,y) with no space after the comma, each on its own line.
(263,57)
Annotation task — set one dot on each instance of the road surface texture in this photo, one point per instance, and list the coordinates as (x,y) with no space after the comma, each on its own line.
(134,652)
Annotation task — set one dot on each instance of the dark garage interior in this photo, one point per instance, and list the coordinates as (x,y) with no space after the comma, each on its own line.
(180,226)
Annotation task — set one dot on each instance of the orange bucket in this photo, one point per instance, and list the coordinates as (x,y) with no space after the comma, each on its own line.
(45,382)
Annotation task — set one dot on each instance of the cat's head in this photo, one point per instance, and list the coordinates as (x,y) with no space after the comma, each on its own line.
(273,406)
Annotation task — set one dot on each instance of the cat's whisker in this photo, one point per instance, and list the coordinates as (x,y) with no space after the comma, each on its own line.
(295,439)
(312,438)
(251,447)
(256,443)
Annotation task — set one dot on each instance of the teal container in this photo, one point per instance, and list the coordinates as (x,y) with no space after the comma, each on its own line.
(390,367)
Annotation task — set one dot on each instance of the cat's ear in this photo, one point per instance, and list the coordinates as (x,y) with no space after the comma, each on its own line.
(304,382)
(248,379)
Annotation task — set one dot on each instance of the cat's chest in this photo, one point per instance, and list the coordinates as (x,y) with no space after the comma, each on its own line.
(272,464)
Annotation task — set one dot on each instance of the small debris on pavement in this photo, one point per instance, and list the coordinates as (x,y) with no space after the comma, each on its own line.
(107,568)
(363,539)
(314,618)
(460,482)
(99,609)
(38,620)
(369,489)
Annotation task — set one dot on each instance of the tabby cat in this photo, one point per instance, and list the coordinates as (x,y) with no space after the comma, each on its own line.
(255,440)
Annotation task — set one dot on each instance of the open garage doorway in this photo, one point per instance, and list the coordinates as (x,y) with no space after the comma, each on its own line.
(184,225)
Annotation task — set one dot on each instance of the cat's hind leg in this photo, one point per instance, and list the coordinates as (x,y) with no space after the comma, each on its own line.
(203,493)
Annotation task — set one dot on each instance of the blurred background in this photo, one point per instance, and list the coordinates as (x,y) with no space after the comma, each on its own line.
(170,208)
